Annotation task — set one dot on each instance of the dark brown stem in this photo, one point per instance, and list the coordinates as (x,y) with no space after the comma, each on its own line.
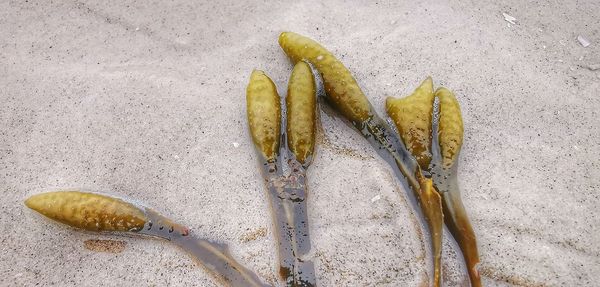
(457,221)
(212,256)
(379,134)
(287,197)
(455,215)
(431,205)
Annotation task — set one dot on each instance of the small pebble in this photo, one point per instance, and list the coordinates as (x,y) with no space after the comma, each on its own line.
(583,41)
(509,19)
(376,198)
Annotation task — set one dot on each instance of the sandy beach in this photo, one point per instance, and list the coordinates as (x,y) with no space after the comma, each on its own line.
(146,100)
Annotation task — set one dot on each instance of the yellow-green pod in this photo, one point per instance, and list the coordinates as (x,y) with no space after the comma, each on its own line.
(301,112)
(412,116)
(264,114)
(88,211)
(341,88)
(450,127)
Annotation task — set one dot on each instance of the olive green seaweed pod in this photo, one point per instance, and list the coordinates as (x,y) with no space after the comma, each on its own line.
(88,211)
(301,112)
(412,116)
(341,88)
(264,114)
(344,95)
(450,138)
(97,212)
(450,127)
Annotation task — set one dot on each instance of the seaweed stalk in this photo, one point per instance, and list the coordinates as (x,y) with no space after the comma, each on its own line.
(412,115)
(343,94)
(287,190)
(103,213)
(448,138)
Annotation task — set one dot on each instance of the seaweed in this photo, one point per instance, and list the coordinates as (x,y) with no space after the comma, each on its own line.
(104,213)
(424,155)
(433,190)
(284,168)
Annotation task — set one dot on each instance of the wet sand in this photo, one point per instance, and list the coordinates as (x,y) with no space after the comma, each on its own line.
(147,101)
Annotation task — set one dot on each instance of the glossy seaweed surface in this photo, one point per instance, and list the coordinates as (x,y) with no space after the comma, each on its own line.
(103,213)
(410,156)
(287,191)
(424,154)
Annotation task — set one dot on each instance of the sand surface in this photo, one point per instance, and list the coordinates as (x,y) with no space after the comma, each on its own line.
(147,100)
